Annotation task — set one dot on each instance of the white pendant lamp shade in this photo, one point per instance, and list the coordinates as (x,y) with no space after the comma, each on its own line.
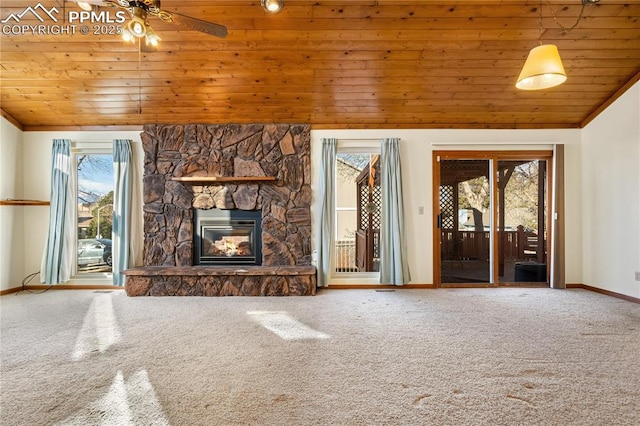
(542,69)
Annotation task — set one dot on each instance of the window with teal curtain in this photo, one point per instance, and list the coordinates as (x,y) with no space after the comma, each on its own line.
(394,268)
(357,216)
(58,255)
(92,168)
(122,169)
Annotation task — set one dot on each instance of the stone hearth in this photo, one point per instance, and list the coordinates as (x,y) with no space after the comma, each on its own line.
(226,151)
(222,281)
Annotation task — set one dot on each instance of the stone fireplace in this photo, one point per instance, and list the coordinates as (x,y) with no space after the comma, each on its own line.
(226,211)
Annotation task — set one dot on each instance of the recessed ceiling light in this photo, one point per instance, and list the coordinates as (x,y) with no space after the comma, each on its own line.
(272,6)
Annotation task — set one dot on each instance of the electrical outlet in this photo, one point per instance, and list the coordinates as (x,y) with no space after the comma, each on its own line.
(637,275)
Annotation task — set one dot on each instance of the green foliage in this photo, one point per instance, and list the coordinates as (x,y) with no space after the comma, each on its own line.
(474,194)
(520,195)
(104,208)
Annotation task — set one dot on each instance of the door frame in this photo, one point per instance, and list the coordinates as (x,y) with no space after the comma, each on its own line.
(554,258)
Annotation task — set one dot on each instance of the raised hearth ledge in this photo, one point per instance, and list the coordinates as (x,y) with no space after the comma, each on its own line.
(221,281)
(213,179)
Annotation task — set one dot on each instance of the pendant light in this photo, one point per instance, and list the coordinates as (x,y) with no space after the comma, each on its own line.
(543,68)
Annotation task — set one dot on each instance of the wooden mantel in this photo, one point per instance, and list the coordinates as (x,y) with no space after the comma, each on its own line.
(206,179)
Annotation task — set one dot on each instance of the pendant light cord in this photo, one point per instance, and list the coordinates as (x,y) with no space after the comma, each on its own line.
(139,76)
(540,29)
(555,17)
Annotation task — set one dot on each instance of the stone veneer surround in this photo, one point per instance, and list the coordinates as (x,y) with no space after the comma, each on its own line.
(234,150)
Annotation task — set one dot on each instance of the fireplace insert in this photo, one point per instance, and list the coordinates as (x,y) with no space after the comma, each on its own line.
(227,237)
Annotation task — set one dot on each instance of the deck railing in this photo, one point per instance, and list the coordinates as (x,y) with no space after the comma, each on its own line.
(462,245)
(345,253)
(459,245)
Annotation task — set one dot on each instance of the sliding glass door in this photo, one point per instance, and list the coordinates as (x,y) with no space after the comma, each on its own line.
(492,217)
(522,220)
(464,221)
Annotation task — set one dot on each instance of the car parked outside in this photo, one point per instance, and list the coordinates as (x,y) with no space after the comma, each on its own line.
(106,253)
(94,251)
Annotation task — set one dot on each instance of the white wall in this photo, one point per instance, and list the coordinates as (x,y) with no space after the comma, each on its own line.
(611,197)
(602,178)
(11,217)
(416,151)
(36,175)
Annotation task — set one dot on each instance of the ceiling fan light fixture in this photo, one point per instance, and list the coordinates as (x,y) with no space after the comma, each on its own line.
(137,27)
(87,6)
(543,69)
(272,6)
(127,36)
(152,38)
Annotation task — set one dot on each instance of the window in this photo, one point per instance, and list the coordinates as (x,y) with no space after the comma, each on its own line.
(94,182)
(358,210)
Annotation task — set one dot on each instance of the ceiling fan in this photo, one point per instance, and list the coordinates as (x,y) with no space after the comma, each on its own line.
(138,27)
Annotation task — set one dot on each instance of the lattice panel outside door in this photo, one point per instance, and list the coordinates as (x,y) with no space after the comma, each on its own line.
(447,207)
(370,206)
(368,233)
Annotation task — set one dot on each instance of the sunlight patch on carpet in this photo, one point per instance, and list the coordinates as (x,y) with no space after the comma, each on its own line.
(282,324)
(99,330)
(132,402)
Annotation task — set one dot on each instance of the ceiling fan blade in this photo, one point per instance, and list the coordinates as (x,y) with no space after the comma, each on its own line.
(153,6)
(200,25)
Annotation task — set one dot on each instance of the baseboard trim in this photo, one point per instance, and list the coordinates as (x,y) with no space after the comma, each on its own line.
(499,285)
(373,286)
(62,287)
(433,286)
(330,287)
(605,292)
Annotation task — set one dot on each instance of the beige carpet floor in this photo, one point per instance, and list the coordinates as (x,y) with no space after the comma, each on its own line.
(500,356)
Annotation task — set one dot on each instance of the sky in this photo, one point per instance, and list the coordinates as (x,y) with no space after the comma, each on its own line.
(95,175)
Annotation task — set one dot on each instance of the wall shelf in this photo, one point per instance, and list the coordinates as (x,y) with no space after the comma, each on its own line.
(222,179)
(10,202)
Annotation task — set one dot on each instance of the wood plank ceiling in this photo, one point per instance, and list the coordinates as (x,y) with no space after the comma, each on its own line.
(333,64)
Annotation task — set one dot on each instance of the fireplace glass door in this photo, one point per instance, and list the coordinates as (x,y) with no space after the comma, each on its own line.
(230,241)
(227,238)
